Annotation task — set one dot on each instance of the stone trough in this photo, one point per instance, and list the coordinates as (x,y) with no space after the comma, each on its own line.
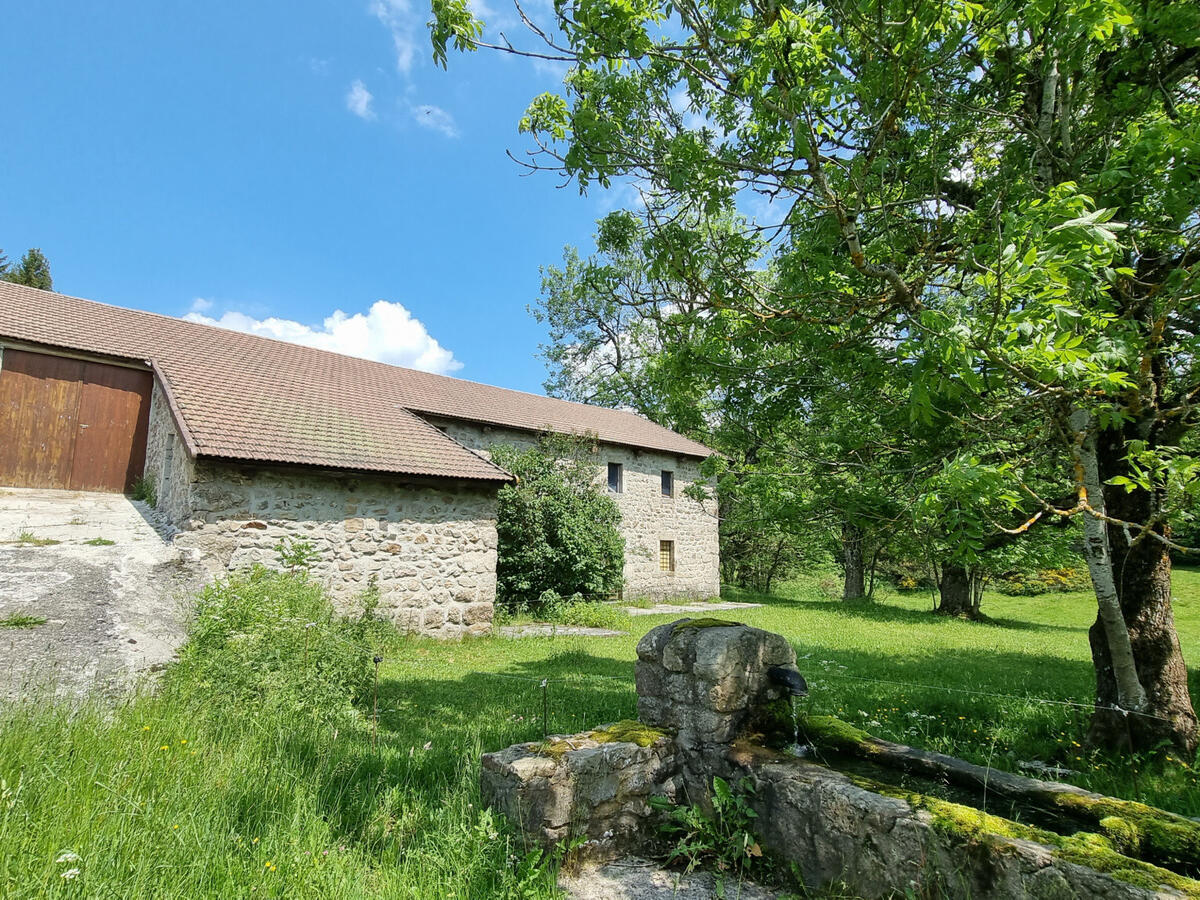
(880,818)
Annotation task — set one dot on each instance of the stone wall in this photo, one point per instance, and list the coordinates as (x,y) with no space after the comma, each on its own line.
(646,516)
(430,547)
(168,463)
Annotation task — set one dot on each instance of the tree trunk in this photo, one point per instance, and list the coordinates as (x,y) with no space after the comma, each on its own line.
(1142,579)
(956,592)
(852,562)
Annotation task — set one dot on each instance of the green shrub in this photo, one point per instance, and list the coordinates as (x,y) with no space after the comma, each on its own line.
(724,838)
(1066,579)
(577,611)
(556,531)
(271,639)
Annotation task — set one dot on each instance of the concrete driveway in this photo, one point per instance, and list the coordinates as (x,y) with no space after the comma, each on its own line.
(111,588)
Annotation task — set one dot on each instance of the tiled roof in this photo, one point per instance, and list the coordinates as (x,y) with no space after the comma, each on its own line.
(246,397)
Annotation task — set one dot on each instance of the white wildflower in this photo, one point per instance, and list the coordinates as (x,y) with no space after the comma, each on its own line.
(67,856)
(70,874)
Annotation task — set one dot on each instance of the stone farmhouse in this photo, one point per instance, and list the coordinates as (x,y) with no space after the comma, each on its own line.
(383,469)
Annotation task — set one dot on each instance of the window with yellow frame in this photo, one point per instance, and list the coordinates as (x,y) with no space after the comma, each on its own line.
(666,556)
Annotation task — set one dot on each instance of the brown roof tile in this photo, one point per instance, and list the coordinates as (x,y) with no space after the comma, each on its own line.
(246,397)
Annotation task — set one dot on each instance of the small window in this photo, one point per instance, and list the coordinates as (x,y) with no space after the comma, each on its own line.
(668,483)
(615,478)
(666,556)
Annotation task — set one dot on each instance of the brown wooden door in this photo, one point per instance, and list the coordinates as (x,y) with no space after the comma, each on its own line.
(66,423)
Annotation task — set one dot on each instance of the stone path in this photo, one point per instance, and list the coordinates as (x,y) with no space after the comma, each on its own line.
(672,608)
(637,879)
(541,629)
(113,607)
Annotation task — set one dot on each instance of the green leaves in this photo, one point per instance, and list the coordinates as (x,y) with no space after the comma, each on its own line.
(558,536)
(453,21)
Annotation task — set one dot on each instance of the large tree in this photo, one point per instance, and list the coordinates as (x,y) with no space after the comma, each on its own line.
(1008,190)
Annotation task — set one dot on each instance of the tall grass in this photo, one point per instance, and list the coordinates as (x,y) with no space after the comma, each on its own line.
(218,785)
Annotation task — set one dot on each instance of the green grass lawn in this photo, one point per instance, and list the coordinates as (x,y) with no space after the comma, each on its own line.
(161,797)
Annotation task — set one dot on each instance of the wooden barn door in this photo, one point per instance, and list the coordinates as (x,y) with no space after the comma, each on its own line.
(69,423)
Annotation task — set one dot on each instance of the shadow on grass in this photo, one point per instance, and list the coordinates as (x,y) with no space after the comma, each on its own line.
(882,611)
(431,734)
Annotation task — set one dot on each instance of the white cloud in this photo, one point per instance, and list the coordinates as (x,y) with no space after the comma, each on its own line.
(200,305)
(386,333)
(358,100)
(397,17)
(435,118)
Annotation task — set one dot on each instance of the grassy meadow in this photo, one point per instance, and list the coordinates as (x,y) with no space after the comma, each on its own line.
(202,790)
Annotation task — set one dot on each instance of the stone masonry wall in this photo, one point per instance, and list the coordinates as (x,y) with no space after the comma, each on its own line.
(431,548)
(168,463)
(646,516)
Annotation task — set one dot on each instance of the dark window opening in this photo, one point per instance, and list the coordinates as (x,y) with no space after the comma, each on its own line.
(614,477)
(668,483)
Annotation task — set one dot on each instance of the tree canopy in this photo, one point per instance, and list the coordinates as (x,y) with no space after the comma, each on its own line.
(1001,198)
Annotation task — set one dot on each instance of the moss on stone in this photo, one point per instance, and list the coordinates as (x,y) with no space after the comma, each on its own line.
(707,623)
(1083,848)
(554,749)
(1154,833)
(835,734)
(1134,828)
(628,731)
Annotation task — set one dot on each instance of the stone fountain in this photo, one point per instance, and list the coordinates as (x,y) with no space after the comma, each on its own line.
(715,699)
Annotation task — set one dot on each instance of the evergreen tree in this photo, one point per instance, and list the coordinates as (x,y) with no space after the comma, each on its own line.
(32,271)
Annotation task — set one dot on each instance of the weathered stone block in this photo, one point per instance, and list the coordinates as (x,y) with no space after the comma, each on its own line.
(702,678)
(587,786)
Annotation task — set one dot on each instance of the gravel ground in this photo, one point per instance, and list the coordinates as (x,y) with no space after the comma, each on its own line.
(637,879)
(112,610)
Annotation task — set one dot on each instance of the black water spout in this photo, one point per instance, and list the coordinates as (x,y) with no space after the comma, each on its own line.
(788,679)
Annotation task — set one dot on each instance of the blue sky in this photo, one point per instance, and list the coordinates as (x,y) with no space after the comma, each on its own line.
(254,161)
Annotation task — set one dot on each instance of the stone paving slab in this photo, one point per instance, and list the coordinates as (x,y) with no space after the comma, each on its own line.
(672,608)
(539,629)
(637,879)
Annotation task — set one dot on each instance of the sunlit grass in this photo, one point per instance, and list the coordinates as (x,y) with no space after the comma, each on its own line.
(168,796)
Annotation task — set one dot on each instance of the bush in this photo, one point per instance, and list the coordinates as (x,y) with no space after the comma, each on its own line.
(1045,581)
(556,531)
(271,639)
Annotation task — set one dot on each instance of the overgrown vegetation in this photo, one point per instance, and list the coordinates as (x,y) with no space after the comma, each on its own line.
(28,537)
(267,640)
(21,620)
(144,489)
(558,535)
(253,771)
(722,838)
